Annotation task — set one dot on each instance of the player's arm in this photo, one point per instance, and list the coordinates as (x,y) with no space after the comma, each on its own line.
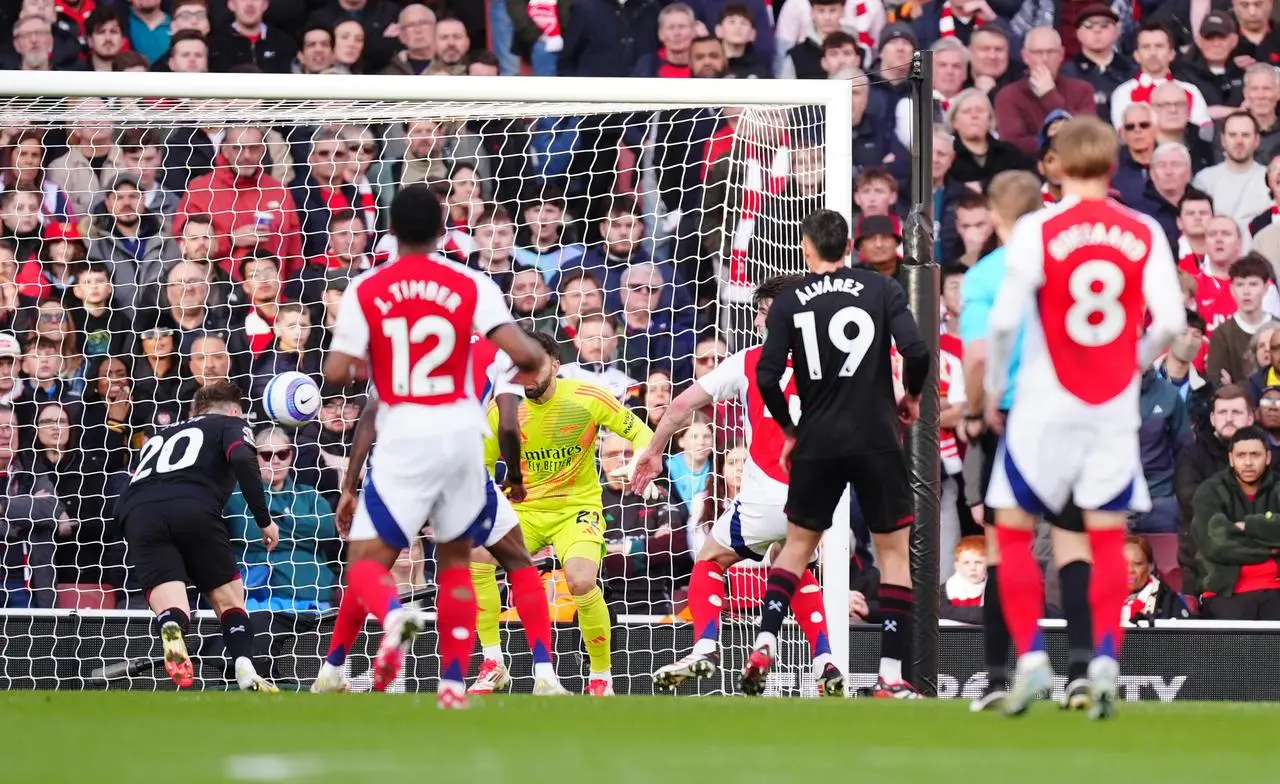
(362,444)
(1164,300)
(239,445)
(608,412)
(975,307)
(773,363)
(1024,274)
(916,359)
(508,406)
(723,383)
(346,360)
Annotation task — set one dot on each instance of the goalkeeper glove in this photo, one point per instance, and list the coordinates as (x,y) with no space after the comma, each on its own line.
(651,492)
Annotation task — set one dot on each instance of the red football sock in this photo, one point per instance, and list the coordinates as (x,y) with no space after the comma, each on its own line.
(1108,589)
(456,620)
(806,603)
(374,587)
(530,601)
(706,600)
(351,615)
(1022,588)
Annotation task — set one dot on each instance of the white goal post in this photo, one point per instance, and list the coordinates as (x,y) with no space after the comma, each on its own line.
(767,115)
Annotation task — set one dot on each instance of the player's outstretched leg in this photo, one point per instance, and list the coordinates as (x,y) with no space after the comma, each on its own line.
(784,578)
(237,636)
(706,603)
(1107,592)
(530,600)
(172,624)
(1022,594)
(493,674)
(810,614)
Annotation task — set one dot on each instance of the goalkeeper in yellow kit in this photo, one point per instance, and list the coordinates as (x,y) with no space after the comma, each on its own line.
(556,495)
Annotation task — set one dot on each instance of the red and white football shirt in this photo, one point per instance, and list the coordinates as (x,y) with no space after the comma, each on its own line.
(763,480)
(413,320)
(1082,273)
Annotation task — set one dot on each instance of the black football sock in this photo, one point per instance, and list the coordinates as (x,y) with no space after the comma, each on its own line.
(897,608)
(173,615)
(1074,580)
(995,634)
(777,601)
(237,634)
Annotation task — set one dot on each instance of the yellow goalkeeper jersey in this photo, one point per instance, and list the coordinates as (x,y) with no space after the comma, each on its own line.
(558,440)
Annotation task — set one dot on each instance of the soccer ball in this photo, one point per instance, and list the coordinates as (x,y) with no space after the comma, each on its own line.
(291,399)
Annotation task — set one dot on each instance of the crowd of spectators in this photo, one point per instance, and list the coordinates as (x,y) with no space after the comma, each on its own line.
(139,262)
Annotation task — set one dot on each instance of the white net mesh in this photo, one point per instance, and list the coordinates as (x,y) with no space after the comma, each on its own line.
(153,245)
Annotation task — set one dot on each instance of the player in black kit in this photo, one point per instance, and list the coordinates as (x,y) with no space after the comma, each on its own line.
(172,519)
(836,327)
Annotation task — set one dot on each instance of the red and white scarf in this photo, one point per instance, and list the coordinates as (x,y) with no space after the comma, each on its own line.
(1141,92)
(947,22)
(862,27)
(545,15)
(962,593)
(758,183)
(1188,259)
(1046,196)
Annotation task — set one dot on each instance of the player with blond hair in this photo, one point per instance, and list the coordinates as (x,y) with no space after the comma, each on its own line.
(1081,274)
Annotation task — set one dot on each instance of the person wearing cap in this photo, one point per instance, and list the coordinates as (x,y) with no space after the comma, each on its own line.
(1155,53)
(53,272)
(897,45)
(1097,62)
(877,239)
(1209,66)
(126,237)
(990,66)
(952,19)
(1021,108)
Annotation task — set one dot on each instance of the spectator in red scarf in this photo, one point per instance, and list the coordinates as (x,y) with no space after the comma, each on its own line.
(260,279)
(961,593)
(1150,598)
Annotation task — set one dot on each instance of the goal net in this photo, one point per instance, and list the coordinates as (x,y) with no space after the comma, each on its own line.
(161,232)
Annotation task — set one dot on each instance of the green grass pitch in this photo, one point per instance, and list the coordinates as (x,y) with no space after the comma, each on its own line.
(108,737)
